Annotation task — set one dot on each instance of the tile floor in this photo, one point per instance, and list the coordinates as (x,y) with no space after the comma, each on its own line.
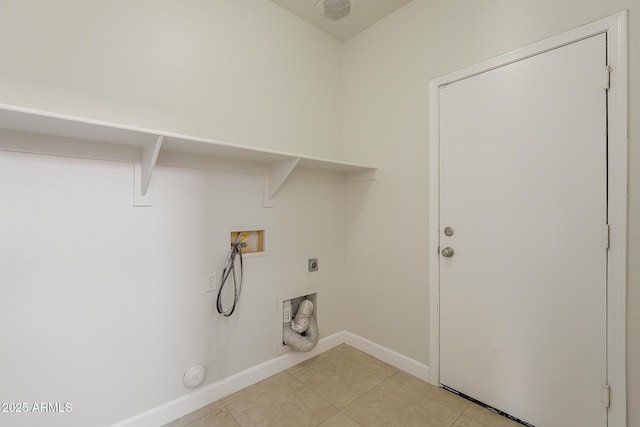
(343,387)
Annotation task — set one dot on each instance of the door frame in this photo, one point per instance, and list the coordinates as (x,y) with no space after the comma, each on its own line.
(615,27)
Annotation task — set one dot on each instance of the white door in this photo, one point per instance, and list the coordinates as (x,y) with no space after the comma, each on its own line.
(523,187)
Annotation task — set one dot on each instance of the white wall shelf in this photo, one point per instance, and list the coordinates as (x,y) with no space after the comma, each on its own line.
(33,131)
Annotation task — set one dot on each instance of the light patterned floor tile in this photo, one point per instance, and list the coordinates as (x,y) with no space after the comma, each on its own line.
(370,361)
(450,400)
(202,412)
(307,363)
(488,418)
(284,403)
(463,421)
(304,365)
(254,388)
(415,384)
(370,392)
(220,418)
(391,404)
(440,395)
(340,379)
(339,420)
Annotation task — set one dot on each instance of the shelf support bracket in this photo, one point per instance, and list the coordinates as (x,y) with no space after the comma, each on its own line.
(143,172)
(278,174)
(367,175)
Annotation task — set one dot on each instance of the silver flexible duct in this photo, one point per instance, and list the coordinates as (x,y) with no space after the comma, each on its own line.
(301,322)
(304,321)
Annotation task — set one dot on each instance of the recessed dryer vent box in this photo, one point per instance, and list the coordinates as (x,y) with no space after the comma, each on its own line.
(253,238)
(290,302)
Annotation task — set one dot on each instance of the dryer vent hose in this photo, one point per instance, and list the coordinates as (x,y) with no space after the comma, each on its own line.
(304,322)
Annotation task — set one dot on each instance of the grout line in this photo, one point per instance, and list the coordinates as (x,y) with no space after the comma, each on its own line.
(350,418)
(456,420)
(234,418)
(354,360)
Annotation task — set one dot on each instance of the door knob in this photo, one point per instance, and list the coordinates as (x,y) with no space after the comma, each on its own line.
(447,252)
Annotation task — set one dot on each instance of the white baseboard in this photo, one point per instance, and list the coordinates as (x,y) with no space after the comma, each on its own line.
(393,358)
(215,391)
(177,408)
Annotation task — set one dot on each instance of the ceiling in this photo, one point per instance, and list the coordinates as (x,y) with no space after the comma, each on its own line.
(365,14)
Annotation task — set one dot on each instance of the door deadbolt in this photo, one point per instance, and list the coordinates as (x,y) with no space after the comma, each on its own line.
(448,231)
(447,252)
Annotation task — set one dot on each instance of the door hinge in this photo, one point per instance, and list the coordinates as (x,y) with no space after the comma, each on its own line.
(606,395)
(607,236)
(606,77)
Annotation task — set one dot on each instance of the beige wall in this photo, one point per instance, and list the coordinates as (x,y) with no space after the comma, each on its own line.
(104,305)
(386,70)
(250,73)
(246,72)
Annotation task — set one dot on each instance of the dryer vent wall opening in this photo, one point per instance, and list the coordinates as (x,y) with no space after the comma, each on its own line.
(298,324)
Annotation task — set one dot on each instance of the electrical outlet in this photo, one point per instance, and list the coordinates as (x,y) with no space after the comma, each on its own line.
(212,284)
(286,311)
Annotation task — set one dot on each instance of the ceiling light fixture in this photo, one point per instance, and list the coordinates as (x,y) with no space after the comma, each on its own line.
(335,9)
